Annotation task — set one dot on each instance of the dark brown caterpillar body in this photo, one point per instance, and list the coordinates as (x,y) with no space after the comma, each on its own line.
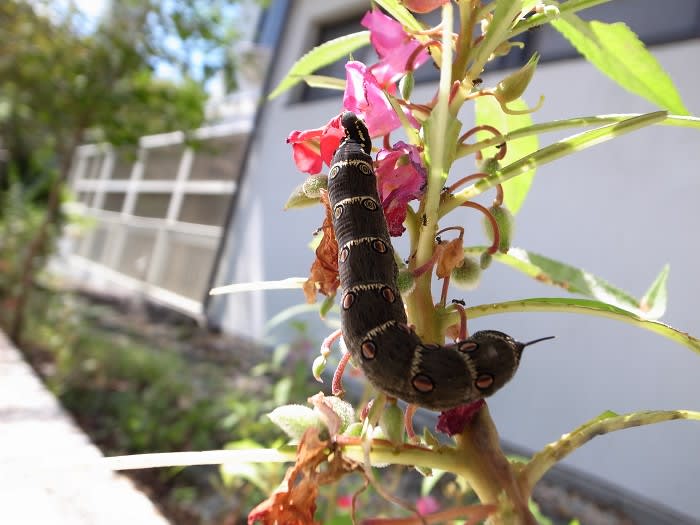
(373,318)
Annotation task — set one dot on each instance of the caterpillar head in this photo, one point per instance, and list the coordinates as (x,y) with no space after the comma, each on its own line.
(356,131)
(445,377)
(495,357)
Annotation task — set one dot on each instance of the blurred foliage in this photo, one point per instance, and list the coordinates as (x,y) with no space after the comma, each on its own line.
(64,82)
(20,217)
(136,392)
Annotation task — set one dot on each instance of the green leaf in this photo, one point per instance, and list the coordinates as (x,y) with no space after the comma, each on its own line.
(321,56)
(653,304)
(578,281)
(619,54)
(488,111)
(325,82)
(294,420)
(589,307)
(299,199)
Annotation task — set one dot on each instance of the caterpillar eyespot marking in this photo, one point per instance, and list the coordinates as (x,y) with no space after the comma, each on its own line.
(369,350)
(390,353)
(423,383)
(468,346)
(348,300)
(379,246)
(484,381)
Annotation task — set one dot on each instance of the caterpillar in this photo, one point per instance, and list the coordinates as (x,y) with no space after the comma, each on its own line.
(373,318)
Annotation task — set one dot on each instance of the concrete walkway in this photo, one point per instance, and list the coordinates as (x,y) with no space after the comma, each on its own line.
(48,472)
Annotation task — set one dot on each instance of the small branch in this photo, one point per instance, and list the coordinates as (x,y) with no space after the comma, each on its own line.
(554,452)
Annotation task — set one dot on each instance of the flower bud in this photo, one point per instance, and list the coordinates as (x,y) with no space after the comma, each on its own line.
(514,85)
(353,430)
(392,424)
(489,165)
(318,366)
(505,221)
(485,260)
(468,275)
(405,281)
(406,85)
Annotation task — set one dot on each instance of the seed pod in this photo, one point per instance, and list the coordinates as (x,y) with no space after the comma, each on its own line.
(468,275)
(391,423)
(505,221)
(405,281)
(515,84)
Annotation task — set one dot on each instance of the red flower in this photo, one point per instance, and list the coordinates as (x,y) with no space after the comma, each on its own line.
(313,147)
(453,421)
(400,179)
(398,51)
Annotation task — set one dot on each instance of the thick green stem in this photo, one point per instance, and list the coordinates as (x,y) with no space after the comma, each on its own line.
(487,470)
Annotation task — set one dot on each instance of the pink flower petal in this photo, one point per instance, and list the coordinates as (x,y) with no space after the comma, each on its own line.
(400,179)
(398,51)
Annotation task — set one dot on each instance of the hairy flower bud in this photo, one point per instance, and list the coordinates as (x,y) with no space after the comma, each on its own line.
(467,275)
(405,281)
(505,221)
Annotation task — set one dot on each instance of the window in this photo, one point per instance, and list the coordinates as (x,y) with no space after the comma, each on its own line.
(159,211)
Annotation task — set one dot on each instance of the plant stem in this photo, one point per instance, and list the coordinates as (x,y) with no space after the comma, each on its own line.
(555,151)
(486,468)
(554,452)
(671,120)
(420,303)
(580,306)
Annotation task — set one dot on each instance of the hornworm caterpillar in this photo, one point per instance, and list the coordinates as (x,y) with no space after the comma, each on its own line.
(373,318)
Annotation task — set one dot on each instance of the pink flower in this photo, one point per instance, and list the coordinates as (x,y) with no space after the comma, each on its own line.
(398,51)
(400,179)
(364,96)
(427,505)
(454,421)
(313,147)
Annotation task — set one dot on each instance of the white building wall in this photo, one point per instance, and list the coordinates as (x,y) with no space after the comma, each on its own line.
(621,210)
